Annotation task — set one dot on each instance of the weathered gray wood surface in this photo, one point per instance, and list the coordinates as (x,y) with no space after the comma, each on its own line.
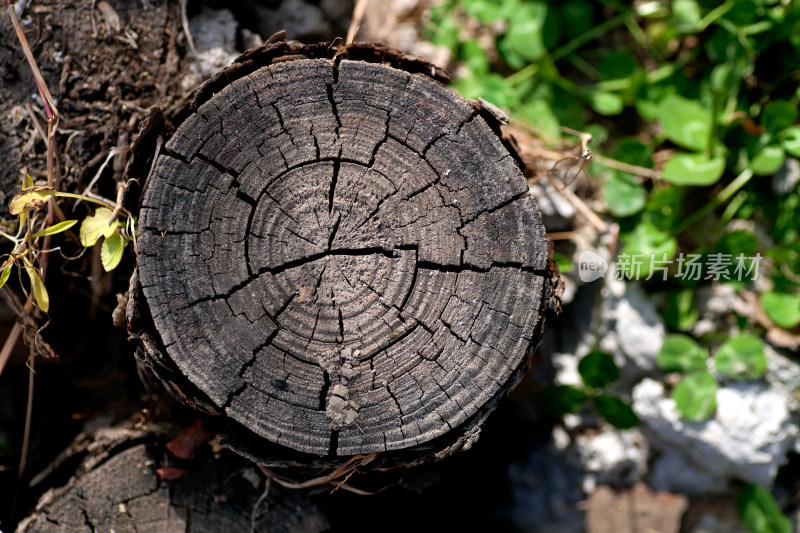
(342,257)
(117,488)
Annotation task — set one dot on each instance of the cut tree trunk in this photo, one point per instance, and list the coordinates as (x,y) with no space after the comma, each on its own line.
(126,481)
(338,256)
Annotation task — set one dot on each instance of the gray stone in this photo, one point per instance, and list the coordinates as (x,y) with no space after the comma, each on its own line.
(747,439)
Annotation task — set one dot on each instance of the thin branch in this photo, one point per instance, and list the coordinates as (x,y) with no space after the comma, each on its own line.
(26,436)
(358,15)
(625,167)
(188,33)
(8,346)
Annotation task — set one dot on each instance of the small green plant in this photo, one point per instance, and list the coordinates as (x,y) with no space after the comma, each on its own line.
(760,512)
(738,358)
(597,370)
(26,247)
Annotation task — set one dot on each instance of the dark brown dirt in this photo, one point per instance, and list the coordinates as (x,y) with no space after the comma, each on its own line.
(104,72)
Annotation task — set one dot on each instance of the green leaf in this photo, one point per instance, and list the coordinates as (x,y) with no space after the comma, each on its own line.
(685,16)
(693,169)
(768,160)
(39,291)
(778,115)
(579,16)
(5,273)
(616,412)
(558,400)
(685,122)
(760,512)
(27,181)
(30,199)
(782,308)
(55,228)
(540,114)
(680,353)
(643,245)
(606,103)
(475,58)
(524,36)
(563,261)
(623,194)
(598,369)
(111,251)
(617,65)
(790,140)
(696,396)
(95,226)
(741,357)
(664,208)
(742,12)
(632,150)
(680,312)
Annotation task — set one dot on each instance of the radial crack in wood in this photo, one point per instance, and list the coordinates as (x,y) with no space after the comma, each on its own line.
(342,257)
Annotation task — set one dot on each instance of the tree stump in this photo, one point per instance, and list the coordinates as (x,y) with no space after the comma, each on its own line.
(340,256)
(123,483)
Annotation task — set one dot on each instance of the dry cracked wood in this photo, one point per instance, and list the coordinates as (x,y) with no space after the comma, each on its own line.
(117,488)
(342,257)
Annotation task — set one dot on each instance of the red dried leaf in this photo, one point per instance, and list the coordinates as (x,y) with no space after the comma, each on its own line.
(184,445)
(168,472)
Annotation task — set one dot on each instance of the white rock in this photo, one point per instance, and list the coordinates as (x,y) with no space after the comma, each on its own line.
(747,439)
(566,366)
(632,327)
(786,179)
(613,457)
(301,20)
(214,34)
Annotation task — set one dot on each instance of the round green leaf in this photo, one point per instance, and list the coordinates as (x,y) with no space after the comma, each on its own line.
(685,15)
(558,400)
(782,308)
(643,245)
(790,140)
(623,194)
(598,369)
(632,150)
(524,35)
(778,115)
(95,226)
(664,207)
(606,103)
(742,12)
(679,311)
(616,412)
(580,16)
(30,199)
(680,353)
(111,251)
(760,512)
(768,160)
(741,357)
(696,396)
(685,122)
(617,65)
(693,169)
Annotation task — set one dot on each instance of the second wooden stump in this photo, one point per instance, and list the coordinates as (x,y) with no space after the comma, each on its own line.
(341,257)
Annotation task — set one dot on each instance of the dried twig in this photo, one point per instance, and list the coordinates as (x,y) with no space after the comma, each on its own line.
(188,33)
(358,15)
